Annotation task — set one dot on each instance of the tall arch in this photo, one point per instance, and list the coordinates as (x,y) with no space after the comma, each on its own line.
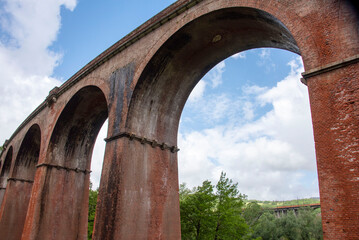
(5,170)
(62,213)
(151,175)
(189,54)
(16,200)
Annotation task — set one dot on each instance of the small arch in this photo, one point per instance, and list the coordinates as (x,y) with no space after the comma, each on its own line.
(66,188)
(28,156)
(76,129)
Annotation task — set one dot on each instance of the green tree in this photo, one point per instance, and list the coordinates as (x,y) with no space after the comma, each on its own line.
(310,224)
(252,213)
(305,225)
(92,210)
(197,211)
(184,192)
(208,215)
(266,227)
(229,222)
(289,227)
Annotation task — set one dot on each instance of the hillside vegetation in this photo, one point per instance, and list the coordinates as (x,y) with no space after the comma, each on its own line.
(274,204)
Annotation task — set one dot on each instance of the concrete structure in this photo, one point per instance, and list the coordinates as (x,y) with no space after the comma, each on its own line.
(141,84)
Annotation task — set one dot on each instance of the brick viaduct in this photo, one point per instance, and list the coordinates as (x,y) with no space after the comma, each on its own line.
(141,84)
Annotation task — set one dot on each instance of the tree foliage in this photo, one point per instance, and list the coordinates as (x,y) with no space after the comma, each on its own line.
(306,225)
(92,210)
(208,214)
(229,222)
(252,213)
(219,213)
(197,212)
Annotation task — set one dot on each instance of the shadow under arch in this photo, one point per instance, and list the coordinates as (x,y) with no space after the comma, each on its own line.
(64,196)
(5,170)
(18,191)
(175,69)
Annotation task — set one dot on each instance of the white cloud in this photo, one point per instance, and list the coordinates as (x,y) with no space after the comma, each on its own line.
(248,111)
(270,156)
(253,90)
(264,54)
(217,107)
(214,108)
(97,156)
(241,55)
(28,28)
(265,60)
(215,75)
(197,92)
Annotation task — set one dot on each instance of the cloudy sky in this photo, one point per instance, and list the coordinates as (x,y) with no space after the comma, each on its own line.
(249,116)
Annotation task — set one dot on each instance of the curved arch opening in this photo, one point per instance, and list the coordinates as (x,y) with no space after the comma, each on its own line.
(28,156)
(76,130)
(183,60)
(168,79)
(68,163)
(250,117)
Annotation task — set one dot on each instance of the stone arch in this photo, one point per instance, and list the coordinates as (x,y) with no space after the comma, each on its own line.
(77,127)
(5,170)
(18,191)
(64,197)
(154,113)
(171,74)
(28,155)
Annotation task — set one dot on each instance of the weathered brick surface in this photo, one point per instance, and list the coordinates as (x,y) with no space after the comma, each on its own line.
(334,98)
(13,210)
(142,83)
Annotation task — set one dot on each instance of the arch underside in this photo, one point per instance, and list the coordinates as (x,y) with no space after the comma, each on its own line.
(188,55)
(28,156)
(64,198)
(76,130)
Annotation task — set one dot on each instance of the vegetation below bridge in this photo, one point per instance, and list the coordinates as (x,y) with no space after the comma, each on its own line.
(221,212)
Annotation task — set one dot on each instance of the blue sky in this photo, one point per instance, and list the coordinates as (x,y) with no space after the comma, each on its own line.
(249,116)
(94,25)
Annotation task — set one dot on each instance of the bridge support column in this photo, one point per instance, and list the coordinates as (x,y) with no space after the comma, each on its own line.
(138,196)
(59,206)
(14,208)
(334,100)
